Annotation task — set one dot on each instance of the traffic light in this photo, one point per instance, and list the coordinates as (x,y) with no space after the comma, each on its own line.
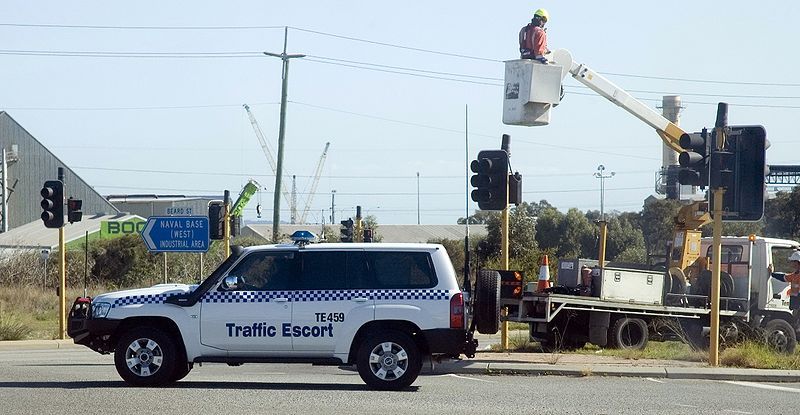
(694,161)
(236,225)
(491,179)
(346,232)
(216,220)
(53,203)
(367,235)
(741,169)
(515,189)
(74,213)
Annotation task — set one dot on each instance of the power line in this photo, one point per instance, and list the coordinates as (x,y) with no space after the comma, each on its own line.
(522,140)
(372,42)
(110,54)
(65,26)
(386,44)
(406,69)
(371,177)
(419,75)
(142,108)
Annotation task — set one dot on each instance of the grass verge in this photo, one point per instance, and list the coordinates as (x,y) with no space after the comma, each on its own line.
(753,354)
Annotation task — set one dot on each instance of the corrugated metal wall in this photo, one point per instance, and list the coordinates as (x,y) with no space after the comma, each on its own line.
(36,164)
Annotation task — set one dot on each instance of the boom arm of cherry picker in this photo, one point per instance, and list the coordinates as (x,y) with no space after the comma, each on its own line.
(668,131)
(689,218)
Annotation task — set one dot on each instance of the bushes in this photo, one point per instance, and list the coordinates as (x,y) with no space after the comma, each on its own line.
(12,328)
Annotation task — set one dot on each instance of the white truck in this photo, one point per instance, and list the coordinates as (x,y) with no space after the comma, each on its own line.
(624,307)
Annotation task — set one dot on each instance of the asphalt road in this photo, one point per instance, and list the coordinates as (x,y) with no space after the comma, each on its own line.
(77,380)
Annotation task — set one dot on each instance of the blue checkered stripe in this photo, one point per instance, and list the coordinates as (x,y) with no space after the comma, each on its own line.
(244,296)
(323,295)
(140,299)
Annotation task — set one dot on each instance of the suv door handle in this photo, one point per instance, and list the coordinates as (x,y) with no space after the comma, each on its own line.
(280,300)
(360,299)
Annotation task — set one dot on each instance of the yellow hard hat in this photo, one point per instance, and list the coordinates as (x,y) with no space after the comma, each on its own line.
(543,14)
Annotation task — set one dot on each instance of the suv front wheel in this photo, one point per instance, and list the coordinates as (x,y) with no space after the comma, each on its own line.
(388,360)
(145,356)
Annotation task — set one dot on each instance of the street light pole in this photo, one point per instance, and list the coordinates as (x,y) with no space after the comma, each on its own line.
(418,221)
(600,175)
(276,211)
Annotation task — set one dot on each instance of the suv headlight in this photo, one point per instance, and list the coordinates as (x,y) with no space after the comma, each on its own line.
(100,310)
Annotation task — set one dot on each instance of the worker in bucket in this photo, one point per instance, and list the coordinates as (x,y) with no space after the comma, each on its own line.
(533,38)
(793,279)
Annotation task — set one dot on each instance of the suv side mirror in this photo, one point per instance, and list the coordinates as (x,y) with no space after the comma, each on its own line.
(231,283)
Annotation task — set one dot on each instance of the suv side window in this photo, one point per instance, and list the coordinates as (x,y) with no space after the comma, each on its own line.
(402,270)
(358,275)
(262,271)
(323,270)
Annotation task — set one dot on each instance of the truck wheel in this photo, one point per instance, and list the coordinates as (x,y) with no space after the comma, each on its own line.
(629,333)
(487,302)
(388,360)
(145,356)
(780,335)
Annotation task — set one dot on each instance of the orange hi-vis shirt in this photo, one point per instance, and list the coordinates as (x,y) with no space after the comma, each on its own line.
(794,280)
(534,39)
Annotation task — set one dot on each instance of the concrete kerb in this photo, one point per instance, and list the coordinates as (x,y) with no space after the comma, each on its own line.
(538,369)
(8,345)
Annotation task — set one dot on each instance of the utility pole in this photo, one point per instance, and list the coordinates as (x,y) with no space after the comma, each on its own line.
(671,110)
(600,175)
(276,207)
(333,207)
(62,274)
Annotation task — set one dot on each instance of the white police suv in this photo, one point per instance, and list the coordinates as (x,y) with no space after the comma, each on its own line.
(383,307)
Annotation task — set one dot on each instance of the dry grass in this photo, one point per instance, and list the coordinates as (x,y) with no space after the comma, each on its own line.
(32,313)
(669,350)
(757,355)
(518,341)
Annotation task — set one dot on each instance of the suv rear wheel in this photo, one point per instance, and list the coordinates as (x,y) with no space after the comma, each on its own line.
(388,360)
(145,356)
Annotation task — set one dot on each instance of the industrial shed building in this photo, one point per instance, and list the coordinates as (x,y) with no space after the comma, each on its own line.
(25,165)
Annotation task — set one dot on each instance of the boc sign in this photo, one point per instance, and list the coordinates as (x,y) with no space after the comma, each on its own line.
(176,234)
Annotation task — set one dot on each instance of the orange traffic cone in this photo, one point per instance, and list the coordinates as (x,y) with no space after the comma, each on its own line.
(544,275)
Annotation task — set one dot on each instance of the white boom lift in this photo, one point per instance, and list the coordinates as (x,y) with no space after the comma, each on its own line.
(532,89)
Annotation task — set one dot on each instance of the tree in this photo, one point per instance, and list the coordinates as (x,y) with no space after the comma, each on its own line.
(371,222)
(578,236)
(658,224)
(548,231)
(623,237)
(782,216)
(522,238)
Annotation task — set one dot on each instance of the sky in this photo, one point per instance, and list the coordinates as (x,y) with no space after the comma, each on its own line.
(146,97)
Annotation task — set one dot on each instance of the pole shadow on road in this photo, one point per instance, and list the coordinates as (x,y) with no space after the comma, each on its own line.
(192,385)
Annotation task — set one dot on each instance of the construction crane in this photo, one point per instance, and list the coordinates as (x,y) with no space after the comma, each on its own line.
(314,182)
(271,160)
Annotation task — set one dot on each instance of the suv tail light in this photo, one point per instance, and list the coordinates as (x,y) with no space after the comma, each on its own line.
(457,311)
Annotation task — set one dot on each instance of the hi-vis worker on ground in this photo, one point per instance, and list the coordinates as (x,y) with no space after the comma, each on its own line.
(793,279)
(533,37)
